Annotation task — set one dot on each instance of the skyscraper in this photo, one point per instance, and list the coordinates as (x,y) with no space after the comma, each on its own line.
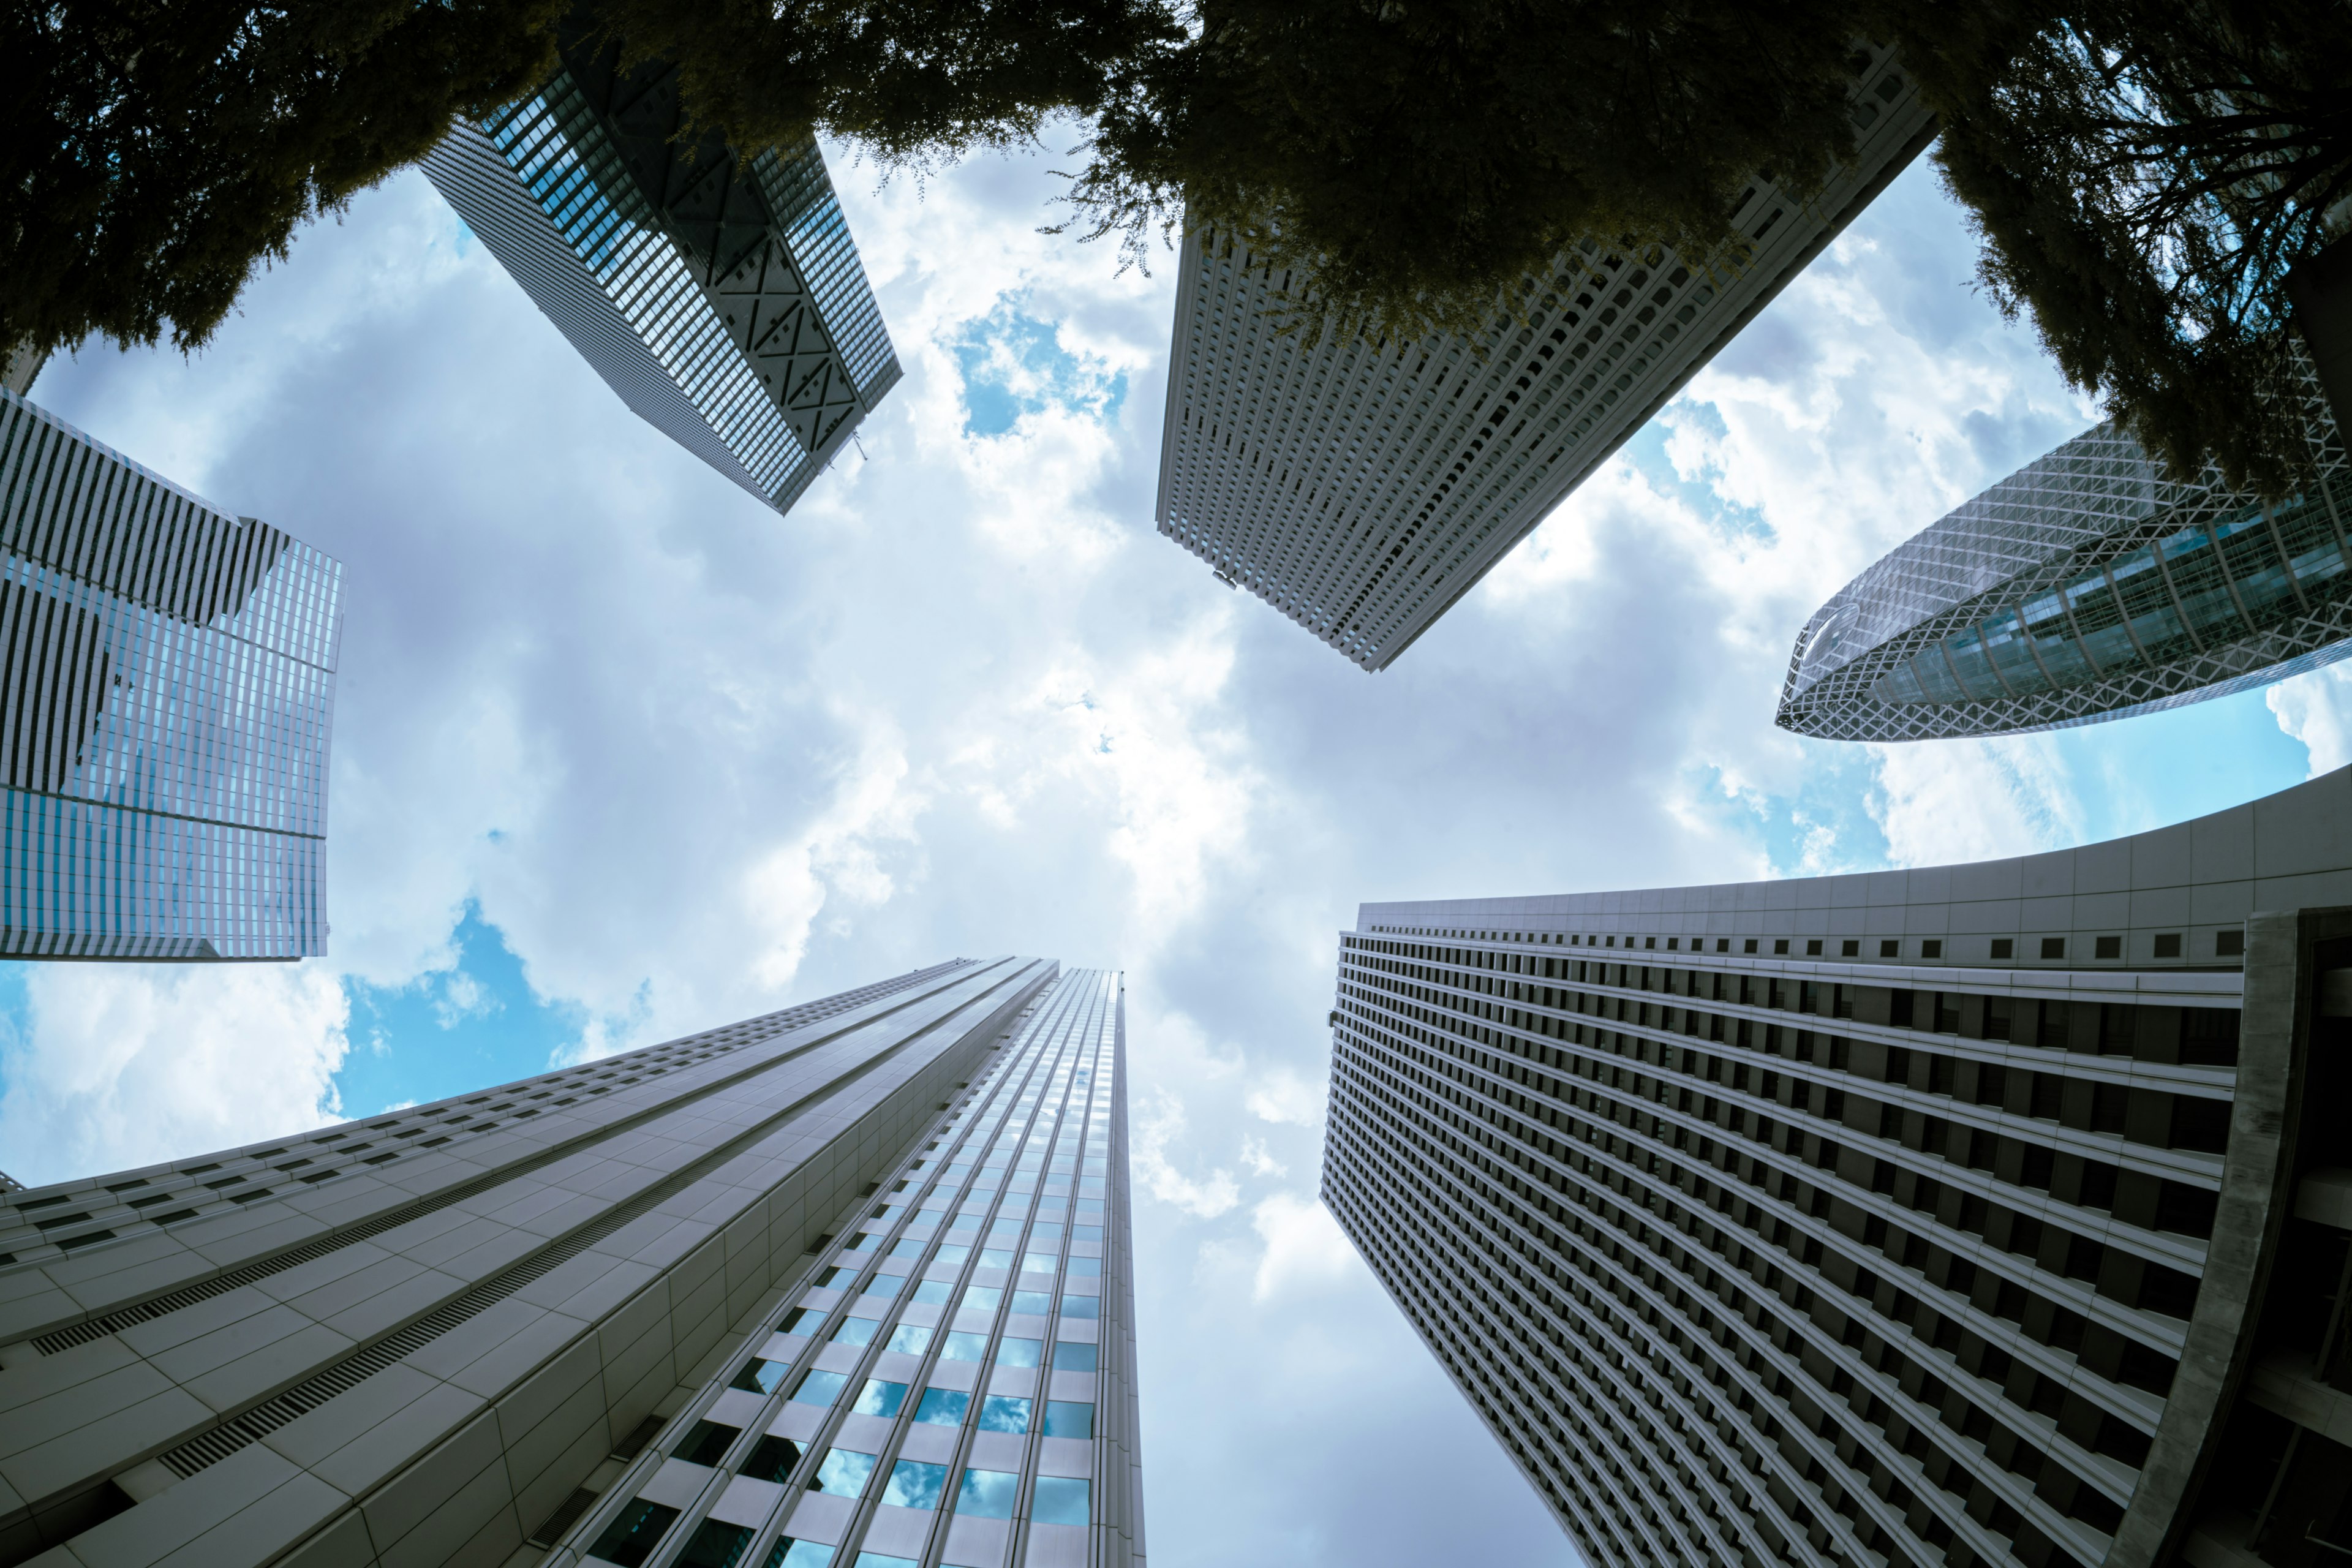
(167,680)
(1974,1214)
(1361,489)
(721,296)
(846,1283)
(2084,586)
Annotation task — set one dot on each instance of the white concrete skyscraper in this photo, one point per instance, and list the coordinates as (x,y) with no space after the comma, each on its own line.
(1362,489)
(844,1284)
(1984,1215)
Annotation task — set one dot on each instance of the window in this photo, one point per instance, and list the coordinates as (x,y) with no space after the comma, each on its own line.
(2109,947)
(1850,948)
(1890,948)
(1042,1262)
(1082,1306)
(816,1387)
(715,1544)
(2054,947)
(1067,1419)
(1750,946)
(772,1459)
(1060,1501)
(2167,945)
(1933,948)
(995,1257)
(942,1406)
(987,1494)
(1034,1302)
(843,1472)
(952,1254)
(915,1485)
(879,1398)
(982,1298)
(910,1339)
(629,1540)
(1084,1268)
(1780,946)
(964,1347)
(1019,1353)
(2229,943)
(760,1377)
(1001,1413)
(2004,947)
(934,1292)
(1997,1016)
(802,1321)
(706,1444)
(857,1331)
(837,1277)
(1073,1357)
(790,1553)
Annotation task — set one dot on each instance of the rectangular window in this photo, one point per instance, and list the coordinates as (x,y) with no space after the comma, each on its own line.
(915,1485)
(987,1494)
(1034,1302)
(982,1298)
(760,1377)
(857,1331)
(630,1539)
(817,1387)
(910,1339)
(2230,944)
(1082,1306)
(2109,947)
(706,1444)
(1042,1262)
(1068,1419)
(716,1544)
(934,1292)
(995,1257)
(942,1406)
(1890,948)
(1000,1414)
(843,1472)
(1997,1017)
(2054,947)
(772,1460)
(802,1321)
(2004,947)
(2167,945)
(1060,1500)
(1019,1353)
(879,1398)
(1933,948)
(1070,1356)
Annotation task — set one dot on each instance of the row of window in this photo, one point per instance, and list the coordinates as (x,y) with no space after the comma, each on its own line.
(2228,944)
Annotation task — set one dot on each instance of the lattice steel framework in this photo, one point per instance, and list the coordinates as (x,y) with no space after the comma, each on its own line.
(1362,489)
(166,692)
(720,297)
(2082,587)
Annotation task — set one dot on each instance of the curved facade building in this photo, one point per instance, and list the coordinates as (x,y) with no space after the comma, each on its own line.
(2083,587)
(167,683)
(1966,1216)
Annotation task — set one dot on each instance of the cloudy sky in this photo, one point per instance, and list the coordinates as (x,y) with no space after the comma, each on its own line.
(619,755)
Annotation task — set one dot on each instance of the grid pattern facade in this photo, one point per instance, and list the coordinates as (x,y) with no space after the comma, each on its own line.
(954,1383)
(1362,489)
(166,694)
(2084,586)
(428,1350)
(1770,1259)
(751,340)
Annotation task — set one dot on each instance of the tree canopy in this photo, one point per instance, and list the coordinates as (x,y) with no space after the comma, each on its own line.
(2143,174)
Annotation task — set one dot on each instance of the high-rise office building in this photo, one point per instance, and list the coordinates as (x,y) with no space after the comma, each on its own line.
(1974,1214)
(1362,489)
(2084,586)
(845,1284)
(167,680)
(721,296)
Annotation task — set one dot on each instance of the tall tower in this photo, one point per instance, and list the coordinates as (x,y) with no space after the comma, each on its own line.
(2084,586)
(847,1283)
(167,681)
(1362,489)
(721,296)
(1975,1215)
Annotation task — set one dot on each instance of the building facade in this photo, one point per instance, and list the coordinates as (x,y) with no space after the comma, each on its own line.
(167,682)
(2084,586)
(1975,1215)
(845,1284)
(1362,489)
(721,296)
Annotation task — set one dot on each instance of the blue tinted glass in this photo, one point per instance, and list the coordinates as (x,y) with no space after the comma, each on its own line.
(879,1398)
(910,1339)
(857,1331)
(836,1278)
(964,1347)
(1000,1414)
(1019,1353)
(1059,1500)
(877,1560)
(983,1298)
(1074,1358)
(951,1255)
(802,1321)
(1038,1263)
(1084,1268)
(790,1553)
(934,1292)
(1086,1233)
(987,1494)
(943,1406)
(1082,1306)
(819,1388)
(995,1257)
(760,1377)
(914,1485)
(1065,1418)
(1032,1301)
(843,1472)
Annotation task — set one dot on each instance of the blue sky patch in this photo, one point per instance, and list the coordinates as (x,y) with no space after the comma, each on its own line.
(1013,365)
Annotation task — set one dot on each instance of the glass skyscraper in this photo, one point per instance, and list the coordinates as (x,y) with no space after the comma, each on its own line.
(167,678)
(1967,1215)
(1362,489)
(847,1284)
(2084,586)
(721,296)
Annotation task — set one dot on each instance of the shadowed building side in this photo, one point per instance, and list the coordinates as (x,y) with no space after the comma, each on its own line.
(1988,1214)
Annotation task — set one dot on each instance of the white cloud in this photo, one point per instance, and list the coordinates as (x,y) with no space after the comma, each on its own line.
(1260,1160)
(123,1066)
(1941,802)
(1155,1124)
(2315,709)
(1282,1095)
(1305,1247)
